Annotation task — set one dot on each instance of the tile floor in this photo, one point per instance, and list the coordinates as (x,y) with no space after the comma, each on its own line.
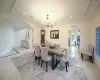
(91,70)
(9,72)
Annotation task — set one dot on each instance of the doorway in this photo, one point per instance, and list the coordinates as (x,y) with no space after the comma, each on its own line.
(74,37)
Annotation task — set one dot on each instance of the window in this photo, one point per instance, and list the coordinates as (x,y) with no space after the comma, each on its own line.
(98,41)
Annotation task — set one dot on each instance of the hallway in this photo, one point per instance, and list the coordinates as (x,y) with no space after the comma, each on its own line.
(91,70)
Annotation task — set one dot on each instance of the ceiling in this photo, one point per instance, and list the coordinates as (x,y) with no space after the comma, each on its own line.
(8,20)
(65,10)
(74,29)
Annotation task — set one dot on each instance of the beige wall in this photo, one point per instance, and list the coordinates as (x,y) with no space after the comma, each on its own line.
(6,40)
(93,24)
(35,32)
(63,33)
(36,35)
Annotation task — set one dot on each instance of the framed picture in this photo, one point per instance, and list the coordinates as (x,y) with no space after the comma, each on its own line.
(54,34)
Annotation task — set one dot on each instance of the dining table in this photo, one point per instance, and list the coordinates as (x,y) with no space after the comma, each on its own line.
(56,52)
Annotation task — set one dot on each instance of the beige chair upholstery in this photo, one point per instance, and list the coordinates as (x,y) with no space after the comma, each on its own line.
(37,53)
(64,58)
(44,54)
(89,53)
(47,44)
(57,45)
(37,50)
(45,57)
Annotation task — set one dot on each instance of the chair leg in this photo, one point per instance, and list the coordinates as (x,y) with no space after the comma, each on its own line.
(35,58)
(82,56)
(66,66)
(46,66)
(68,63)
(91,59)
(56,61)
(41,63)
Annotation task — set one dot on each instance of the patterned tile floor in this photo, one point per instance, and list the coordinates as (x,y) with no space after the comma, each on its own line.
(33,71)
(91,70)
(78,69)
(85,69)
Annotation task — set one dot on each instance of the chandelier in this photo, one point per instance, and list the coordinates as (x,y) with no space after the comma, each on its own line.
(47,24)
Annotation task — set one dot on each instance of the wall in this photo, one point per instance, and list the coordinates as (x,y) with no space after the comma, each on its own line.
(63,33)
(18,36)
(84,37)
(35,32)
(6,40)
(10,38)
(36,35)
(93,24)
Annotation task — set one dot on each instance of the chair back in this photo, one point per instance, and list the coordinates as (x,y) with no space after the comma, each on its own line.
(57,45)
(47,44)
(67,54)
(44,53)
(91,49)
(37,50)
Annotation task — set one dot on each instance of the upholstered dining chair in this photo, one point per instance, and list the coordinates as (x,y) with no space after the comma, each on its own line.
(45,57)
(89,53)
(37,53)
(64,58)
(57,45)
(47,44)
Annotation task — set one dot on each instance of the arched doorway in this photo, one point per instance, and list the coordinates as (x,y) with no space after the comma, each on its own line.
(74,37)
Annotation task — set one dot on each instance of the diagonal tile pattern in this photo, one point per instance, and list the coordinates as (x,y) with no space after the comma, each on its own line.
(32,71)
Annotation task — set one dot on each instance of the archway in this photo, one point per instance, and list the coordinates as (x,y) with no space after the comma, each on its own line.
(74,37)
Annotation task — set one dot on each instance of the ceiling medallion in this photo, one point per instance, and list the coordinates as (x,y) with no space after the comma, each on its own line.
(47,24)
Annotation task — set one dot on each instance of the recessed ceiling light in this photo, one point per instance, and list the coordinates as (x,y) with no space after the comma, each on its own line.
(70,16)
(24,13)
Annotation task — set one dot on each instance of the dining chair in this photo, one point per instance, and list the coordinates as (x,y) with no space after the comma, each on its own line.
(37,53)
(64,58)
(45,57)
(89,53)
(57,45)
(47,44)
